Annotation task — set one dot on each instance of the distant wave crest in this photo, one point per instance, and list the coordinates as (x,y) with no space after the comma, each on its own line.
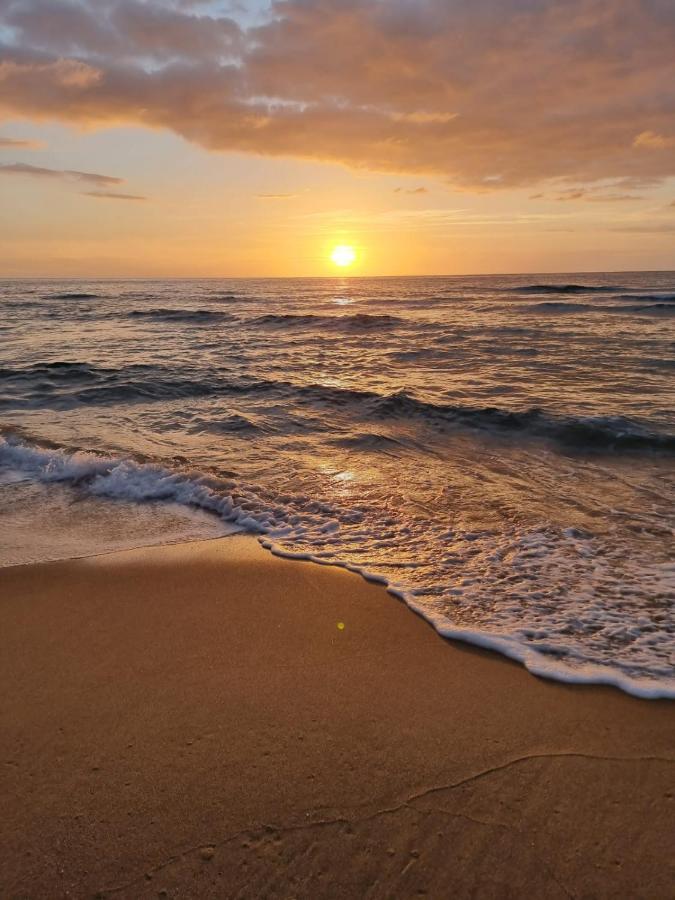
(196,316)
(567,289)
(75,295)
(357,321)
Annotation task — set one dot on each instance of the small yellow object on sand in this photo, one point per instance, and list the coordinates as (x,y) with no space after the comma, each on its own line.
(341,626)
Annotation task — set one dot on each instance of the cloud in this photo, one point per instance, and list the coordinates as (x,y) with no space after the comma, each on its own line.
(275,196)
(418,190)
(593,194)
(103,195)
(646,228)
(58,174)
(126,30)
(653,141)
(19,144)
(614,198)
(484,94)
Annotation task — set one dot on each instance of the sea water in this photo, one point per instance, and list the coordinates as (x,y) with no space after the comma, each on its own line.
(499,451)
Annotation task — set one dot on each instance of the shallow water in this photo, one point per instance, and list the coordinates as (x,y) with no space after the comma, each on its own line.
(500,451)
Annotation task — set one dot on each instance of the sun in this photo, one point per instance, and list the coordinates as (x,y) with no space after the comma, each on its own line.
(343,255)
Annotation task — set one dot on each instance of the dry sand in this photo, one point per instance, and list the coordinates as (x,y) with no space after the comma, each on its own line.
(191,722)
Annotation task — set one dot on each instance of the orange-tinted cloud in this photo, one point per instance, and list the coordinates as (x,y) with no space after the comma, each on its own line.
(483,93)
(654,141)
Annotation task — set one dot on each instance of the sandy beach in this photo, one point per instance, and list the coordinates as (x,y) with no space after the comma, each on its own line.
(206,720)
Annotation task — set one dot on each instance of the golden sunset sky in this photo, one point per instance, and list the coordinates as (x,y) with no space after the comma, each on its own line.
(186,138)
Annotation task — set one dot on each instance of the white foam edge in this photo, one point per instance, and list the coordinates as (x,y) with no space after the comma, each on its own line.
(535,662)
(162,484)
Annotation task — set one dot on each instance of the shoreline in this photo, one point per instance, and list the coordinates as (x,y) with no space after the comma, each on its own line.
(191,719)
(211,511)
(532,661)
(535,663)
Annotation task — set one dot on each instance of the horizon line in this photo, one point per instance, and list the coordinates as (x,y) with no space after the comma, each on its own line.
(336,276)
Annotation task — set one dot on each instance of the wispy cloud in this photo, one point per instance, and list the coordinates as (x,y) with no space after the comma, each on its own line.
(434,219)
(104,195)
(19,143)
(423,87)
(592,194)
(614,198)
(58,174)
(417,190)
(645,228)
(276,196)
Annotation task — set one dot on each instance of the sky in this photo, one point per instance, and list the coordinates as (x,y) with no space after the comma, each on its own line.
(159,138)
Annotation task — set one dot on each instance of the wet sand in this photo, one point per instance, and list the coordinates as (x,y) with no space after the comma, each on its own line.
(192,722)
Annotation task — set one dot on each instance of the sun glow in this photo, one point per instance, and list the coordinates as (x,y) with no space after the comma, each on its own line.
(343,255)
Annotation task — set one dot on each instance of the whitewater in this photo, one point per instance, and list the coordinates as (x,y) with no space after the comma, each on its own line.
(498,451)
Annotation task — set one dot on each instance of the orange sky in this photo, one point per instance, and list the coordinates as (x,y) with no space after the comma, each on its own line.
(174,138)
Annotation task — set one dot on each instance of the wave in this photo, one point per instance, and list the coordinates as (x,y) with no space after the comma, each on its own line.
(372,442)
(561,306)
(609,433)
(647,298)
(65,384)
(75,295)
(39,370)
(162,314)
(649,309)
(124,478)
(233,423)
(567,289)
(359,320)
(25,304)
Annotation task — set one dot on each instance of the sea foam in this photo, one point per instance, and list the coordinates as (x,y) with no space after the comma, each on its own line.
(304,529)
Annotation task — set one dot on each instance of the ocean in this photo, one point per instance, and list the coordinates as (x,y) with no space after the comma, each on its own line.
(498,451)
